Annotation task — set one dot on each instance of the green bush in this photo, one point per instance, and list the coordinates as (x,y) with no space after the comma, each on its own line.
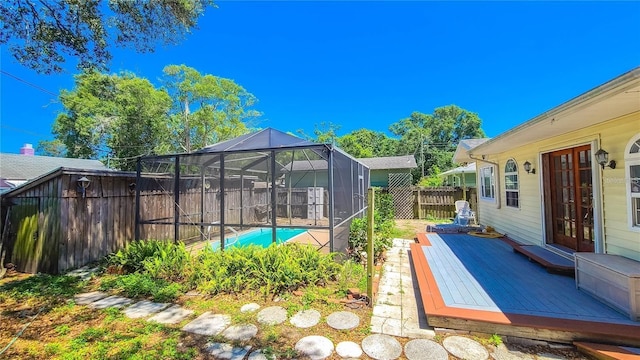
(271,270)
(138,285)
(158,258)
(384,223)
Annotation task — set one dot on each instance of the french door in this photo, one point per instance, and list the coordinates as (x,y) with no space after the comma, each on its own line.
(568,188)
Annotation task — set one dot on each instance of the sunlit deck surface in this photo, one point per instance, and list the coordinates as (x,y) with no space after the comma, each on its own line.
(479,284)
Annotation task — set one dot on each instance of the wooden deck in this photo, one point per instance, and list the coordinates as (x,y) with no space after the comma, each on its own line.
(480,284)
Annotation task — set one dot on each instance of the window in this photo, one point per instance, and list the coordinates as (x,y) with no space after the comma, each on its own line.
(511,183)
(632,163)
(487,183)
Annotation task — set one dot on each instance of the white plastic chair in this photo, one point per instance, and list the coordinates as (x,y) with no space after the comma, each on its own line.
(464,213)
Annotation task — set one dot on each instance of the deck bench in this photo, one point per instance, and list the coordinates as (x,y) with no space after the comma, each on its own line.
(613,279)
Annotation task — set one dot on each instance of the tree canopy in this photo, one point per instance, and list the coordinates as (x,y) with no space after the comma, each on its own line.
(42,34)
(122,116)
(431,138)
(434,137)
(206,108)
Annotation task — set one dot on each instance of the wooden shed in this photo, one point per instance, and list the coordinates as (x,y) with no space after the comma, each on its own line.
(52,224)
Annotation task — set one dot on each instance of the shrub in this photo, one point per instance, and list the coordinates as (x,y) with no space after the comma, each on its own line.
(383,229)
(142,285)
(160,259)
(271,270)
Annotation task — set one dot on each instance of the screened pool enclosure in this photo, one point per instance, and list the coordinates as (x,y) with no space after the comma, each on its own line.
(265,184)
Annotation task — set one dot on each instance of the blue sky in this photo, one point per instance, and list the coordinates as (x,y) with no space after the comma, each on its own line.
(368,64)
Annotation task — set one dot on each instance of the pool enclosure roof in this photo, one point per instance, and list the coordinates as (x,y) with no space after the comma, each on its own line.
(264,139)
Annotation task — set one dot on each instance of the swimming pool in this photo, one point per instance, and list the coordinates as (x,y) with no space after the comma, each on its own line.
(261,237)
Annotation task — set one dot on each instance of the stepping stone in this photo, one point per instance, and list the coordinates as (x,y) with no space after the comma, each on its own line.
(305,318)
(172,315)
(251,307)
(88,298)
(208,324)
(144,308)
(419,349)
(83,273)
(343,320)
(240,332)
(111,301)
(349,350)
(465,348)
(315,347)
(272,315)
(258,355)
(381,347)
(503,353)
(227,351)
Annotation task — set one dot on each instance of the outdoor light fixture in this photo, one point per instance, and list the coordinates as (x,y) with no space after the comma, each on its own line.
(83,184)
(132,187)
(528,168)
(602,157)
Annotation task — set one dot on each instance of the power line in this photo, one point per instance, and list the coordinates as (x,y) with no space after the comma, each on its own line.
(28,83)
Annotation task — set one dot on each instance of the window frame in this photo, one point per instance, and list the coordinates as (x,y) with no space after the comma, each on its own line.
(633,198)
(516,191)
(492,183)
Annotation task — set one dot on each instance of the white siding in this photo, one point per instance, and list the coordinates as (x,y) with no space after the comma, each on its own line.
(526,223)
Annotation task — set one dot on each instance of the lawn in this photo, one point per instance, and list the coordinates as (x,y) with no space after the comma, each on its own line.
(40,309)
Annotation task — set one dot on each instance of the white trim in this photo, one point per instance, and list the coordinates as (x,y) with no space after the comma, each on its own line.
(517,190)
(492,181)
(630,160)
(598,201)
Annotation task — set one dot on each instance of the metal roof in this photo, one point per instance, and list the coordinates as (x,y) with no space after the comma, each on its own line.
(264,139)
(26,167)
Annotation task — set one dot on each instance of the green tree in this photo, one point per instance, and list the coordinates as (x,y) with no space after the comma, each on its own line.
(43,34)
(120,116)
(323,133)
(207,108)
(364,143)
(435,136)
(53,147)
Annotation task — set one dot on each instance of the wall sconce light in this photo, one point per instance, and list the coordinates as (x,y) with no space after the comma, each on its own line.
(83,184)
(528,168)
(132,187)
(602,157)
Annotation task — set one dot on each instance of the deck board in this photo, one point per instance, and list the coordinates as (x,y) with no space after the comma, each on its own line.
(484,274)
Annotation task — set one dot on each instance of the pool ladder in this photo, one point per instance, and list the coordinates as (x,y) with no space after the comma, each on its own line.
(236,234)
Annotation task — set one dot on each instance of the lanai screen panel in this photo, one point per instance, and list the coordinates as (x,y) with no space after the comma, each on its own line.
(262,180)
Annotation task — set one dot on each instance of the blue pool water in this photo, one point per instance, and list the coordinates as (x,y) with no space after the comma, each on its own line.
(260,237)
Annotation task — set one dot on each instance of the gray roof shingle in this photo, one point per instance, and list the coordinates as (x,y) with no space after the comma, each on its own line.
(26,167)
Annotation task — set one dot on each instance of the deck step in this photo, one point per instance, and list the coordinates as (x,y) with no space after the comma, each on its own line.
(608,352)
(553,262)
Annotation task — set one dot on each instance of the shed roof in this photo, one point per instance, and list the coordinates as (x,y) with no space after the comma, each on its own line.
(390,162)
(26,167)
(264,139)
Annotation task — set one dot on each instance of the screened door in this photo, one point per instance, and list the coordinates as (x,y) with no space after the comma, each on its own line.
(569,198)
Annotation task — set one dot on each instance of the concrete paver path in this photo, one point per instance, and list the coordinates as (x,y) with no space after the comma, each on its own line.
(208,324)
(171,315)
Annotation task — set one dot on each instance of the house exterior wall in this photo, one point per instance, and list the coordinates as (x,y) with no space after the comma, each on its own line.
(380,178)
(525,223)
(456,180)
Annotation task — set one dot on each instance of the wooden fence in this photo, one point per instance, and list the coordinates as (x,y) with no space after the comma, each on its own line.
(439,202)
(53,227)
